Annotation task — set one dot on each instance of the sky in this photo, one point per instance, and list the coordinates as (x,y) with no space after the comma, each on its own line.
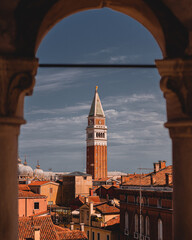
(131,98)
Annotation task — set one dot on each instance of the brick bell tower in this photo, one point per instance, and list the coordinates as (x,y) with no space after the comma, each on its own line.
(96,140)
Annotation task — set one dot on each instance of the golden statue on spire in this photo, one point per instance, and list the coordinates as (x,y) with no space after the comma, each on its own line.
(96,88)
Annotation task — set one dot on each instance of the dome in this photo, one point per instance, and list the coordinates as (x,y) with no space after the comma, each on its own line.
(20,166)
(24,170)
(38,172)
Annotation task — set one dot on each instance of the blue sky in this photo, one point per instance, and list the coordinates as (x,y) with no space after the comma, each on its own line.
(131,98)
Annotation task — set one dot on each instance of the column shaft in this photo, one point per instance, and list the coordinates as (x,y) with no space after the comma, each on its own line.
(182,194)
(8,181)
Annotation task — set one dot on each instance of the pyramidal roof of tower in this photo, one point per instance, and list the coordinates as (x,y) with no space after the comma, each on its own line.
(96,107)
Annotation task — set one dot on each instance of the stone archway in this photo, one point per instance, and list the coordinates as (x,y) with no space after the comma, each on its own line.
(24,23)
(156,17)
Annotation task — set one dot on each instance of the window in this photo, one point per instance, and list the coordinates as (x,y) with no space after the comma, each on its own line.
(142,225)
(88,235)
(93,236)
(36,205)
(136,223)
(82,216)
(126,220)
(147,227)
(87,216)
(160,229)
(98,236)
(159,203)
(50,202)
(50,190)
(107,237)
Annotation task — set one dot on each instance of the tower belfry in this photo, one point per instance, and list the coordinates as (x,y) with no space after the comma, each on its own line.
(96,140)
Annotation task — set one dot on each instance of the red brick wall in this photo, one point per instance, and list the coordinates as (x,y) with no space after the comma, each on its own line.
(153,212)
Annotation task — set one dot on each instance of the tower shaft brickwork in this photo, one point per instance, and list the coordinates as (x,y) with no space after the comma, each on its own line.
(96,140)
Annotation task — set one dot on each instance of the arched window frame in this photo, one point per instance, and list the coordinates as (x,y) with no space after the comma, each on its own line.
(160,229)
(126,221)
(136,223)
(142,225)
(147,226)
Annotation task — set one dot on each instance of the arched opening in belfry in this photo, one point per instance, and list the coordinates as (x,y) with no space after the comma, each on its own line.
(135,112)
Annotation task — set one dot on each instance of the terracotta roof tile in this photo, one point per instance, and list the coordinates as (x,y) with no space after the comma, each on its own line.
(67,234)
(38,183)
(24,187)
(47,229)
(158,177)
(107,209)
(29,194)
(113,221)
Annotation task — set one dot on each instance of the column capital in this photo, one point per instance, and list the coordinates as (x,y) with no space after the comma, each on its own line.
(17,79)
(179,129)
(176,84)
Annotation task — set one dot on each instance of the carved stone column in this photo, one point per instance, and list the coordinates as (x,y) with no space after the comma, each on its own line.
(17,79)
(176,84)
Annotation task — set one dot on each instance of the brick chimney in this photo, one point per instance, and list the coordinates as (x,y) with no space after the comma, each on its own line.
(153,180)
(72,225)
(168,178)
(82,227)
(162,164)
(91,208)
(156,167)
(36,232)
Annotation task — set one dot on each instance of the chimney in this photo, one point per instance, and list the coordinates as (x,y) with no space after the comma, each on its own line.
(82,227)
(86,200)
(90,191)
(168,178)
(36,232)
(90,208)
(152,179)
(156,167)
(72,225)
(162,164)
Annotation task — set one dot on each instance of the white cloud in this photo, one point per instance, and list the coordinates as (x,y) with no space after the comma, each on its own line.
(118,59)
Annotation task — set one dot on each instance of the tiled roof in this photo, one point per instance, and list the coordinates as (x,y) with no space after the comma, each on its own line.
(38,183)
(101,179)
(106,186)
(29,194)
(67,234)
(107,209)
(41,213)
(158,178)
(113,221)
(24,187)
(47,229)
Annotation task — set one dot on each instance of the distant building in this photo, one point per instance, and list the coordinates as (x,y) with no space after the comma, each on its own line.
(146,205)
(48,188)
(100,221)
(30,203)
(96,140)
(74,184)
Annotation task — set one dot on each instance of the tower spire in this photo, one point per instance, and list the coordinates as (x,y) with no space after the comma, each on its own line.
(96,106)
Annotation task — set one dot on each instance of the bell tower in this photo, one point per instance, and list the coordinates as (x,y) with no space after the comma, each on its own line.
(96,140)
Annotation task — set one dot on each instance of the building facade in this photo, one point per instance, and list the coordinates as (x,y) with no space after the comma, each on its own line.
(50,189)
(96,140)
(146,206)
(30,203)
(74,184)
